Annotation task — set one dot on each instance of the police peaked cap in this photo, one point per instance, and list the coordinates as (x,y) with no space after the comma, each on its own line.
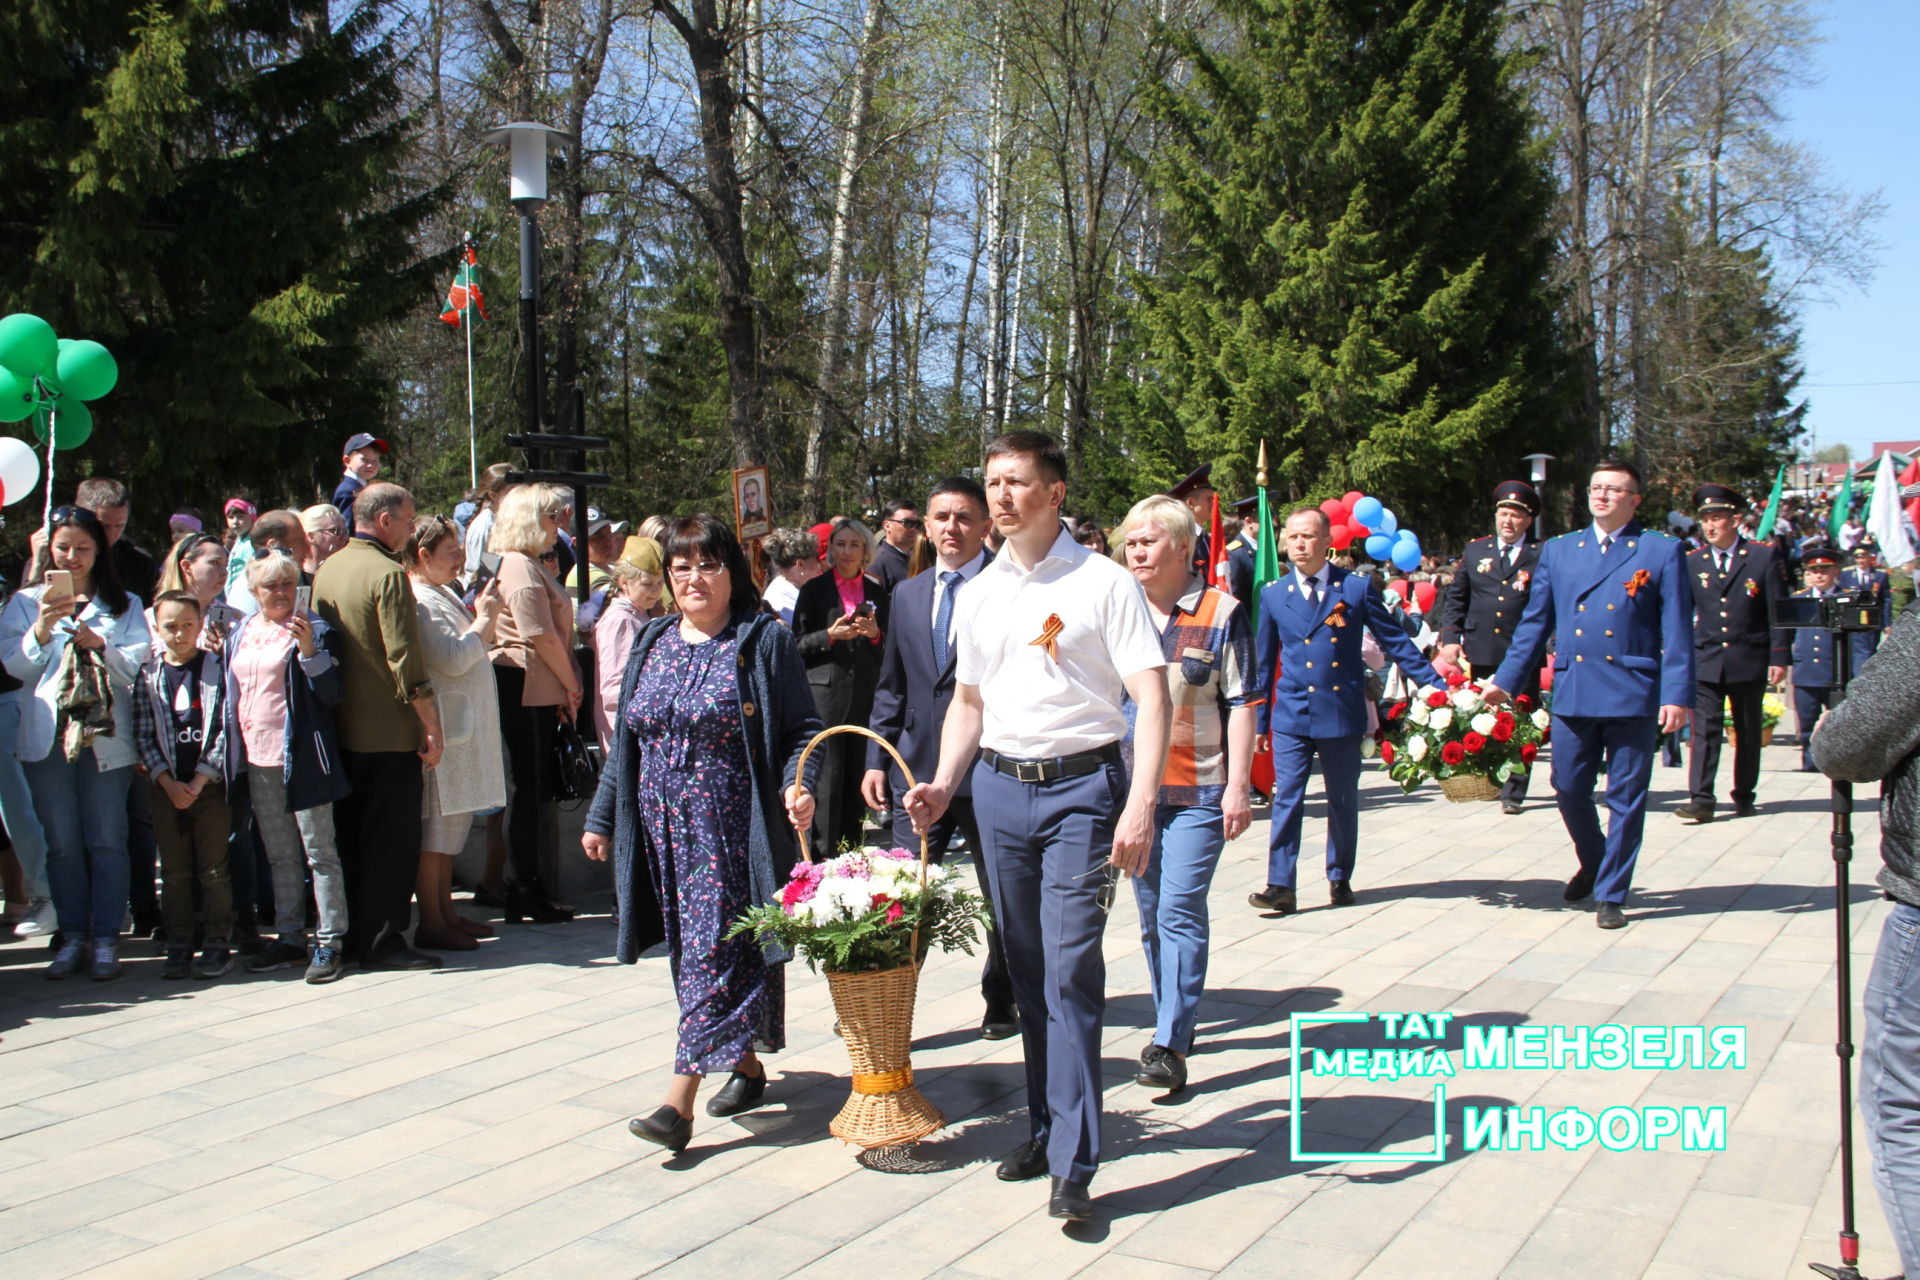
(1517,493)
(1710,499)
(1201,477)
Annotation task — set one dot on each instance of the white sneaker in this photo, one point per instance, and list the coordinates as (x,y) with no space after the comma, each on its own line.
(39,920)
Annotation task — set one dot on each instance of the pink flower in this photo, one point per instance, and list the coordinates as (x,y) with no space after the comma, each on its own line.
(894,912)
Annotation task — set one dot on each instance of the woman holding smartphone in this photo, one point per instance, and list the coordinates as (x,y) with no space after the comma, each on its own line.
(840,619)
(74,636)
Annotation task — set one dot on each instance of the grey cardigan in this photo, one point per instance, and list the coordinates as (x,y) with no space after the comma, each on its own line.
(776,712)
(1874,736)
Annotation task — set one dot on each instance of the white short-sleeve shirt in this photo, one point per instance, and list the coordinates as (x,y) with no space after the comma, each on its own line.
(1038,706)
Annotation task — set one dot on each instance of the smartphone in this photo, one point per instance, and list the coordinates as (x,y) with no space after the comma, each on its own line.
(303,600)
(59,584)
(864,609)
(489,566)
(222,616)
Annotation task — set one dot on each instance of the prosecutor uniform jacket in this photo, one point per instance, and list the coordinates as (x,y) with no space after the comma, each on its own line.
(1732,638)
(1321,689)
(1622,625)
(1813,666)
(1484,601)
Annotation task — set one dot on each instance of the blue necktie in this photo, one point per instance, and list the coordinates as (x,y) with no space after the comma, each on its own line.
(943,619)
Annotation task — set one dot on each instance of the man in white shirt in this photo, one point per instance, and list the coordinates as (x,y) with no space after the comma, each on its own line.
(1050,641)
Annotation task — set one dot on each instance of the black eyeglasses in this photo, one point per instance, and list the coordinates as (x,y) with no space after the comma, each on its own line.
(915,523)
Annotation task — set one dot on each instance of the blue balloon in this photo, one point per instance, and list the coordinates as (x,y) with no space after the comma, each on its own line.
(1406,555)
(1379,546)
(1407,535)
(1388,522)
(1367,512)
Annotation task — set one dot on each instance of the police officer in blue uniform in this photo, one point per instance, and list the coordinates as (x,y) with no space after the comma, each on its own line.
(1816,677)
(1311,621)
(1613,597)
(1736,651)
(1242,549)
(1483,601)
(1865,575)
(1197,491)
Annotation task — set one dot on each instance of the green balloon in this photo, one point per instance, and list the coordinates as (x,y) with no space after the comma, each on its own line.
(27,344)
(87,370)
(75,424)
(16,396)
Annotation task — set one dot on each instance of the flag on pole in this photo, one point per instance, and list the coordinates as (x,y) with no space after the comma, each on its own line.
(1266,554)
(465,291)
(1216,548)
(1842,505)
(1885,522)
(1772,513)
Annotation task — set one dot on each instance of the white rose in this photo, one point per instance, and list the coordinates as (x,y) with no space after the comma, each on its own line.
(1417,748)
(1417,713)
(1482,724)
(1440,719)
(1369,748)
(1541,720)
(1464,698)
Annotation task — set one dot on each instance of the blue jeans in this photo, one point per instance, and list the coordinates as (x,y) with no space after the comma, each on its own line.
(16,801)
(84,812)
(1890,1078)
(1172,897)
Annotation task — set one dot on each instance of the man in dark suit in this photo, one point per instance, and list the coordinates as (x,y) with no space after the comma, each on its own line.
(1485,597)
(1311,622)
(1613,597)
(1866,575)
(900,526)
(1198,493)
(1242,550)
(911,700)
(1736,651)
(1816,677)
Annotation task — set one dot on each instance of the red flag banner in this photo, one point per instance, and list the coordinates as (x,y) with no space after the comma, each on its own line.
(465,292)
(1216,549)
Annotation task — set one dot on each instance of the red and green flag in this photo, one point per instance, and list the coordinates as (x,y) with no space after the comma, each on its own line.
(465,292)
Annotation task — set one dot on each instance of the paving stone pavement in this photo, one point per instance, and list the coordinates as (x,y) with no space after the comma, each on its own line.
(471,1122)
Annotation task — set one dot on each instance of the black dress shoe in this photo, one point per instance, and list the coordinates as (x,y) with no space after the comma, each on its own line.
(1275,897)
(1000,1024)
(1070,1201)
(1340,894)
(1694,813)
(1028,1160)
(1161,1068)
(739,1093)
(1580,888)
(667,1127)
(1609,916)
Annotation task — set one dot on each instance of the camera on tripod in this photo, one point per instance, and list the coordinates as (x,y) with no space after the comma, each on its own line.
(1854,610)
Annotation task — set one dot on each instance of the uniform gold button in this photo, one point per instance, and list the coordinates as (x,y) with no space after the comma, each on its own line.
(1723,613)
(1577,631)
(1609,606)
(1609,657)
(1309,688)
(1309,666)
(1609,633)
(1496,631)
(1579,657)
(1333,664)
(746,708)
(1336,688)
(1583,608)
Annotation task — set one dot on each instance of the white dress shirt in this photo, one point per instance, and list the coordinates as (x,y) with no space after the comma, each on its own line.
(968,572)
(1038,706)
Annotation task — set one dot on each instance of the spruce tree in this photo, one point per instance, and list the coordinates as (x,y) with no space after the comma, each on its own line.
(214,190)
(1356,256)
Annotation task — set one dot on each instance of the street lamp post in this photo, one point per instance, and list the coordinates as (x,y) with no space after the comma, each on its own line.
(1537,476)
(527,147)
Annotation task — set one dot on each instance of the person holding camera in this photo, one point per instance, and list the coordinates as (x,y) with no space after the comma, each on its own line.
(840,619)
(1873,735)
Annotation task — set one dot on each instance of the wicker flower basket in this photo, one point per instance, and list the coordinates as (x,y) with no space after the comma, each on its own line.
(1464,787)
(875,1008)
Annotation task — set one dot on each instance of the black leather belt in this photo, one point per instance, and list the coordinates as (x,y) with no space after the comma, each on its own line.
(1073,766)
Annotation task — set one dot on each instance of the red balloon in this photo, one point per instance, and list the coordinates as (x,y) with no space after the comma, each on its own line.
(1400,585)
(1352,496)
(1342,536)
(1423,595)
(1332,509)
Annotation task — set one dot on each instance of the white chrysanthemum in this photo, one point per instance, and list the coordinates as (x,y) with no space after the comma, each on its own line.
(1441,718)
(1541,719)
(1482,724)
(1464,698)
(1418,713)
(1417,748)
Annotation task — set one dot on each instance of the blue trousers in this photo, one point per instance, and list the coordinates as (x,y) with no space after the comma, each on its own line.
(1809,703)
(1340,778)
(995,988)
(1624,744)
(1890,1077)
(16,801)
(1174,926)
(1047,845)
(83,810)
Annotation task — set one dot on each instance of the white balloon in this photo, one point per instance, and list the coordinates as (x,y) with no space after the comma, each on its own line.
(19,470)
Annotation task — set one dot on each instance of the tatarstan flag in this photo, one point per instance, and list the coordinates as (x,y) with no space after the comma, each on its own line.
(465,291)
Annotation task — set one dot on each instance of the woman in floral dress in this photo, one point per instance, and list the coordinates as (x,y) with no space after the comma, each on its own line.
(712,716)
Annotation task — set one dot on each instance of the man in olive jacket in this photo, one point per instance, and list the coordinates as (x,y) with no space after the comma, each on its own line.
(389,726)
(1873,735)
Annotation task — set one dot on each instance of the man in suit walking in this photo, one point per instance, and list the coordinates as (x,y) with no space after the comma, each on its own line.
(1052,640)
(1736,651)
(1311,622)
(1866,575)
(910,706)
(1816,676)
(1613,597)
(1483,601)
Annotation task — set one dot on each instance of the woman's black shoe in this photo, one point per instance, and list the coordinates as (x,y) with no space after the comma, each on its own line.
(739,1093)
(531,904)
(667,1127)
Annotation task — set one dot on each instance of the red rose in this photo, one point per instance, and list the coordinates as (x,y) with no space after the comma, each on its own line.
(1546,735)
(1397,710)
(1436,699)
(1453,753)
(1502,730)
(1504,717)
(894,913)
(1455,679)
(1474,743)
(1523,702)
(1527,752)
(1386,753)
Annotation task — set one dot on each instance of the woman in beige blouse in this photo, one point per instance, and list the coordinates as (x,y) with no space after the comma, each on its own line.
(538,686)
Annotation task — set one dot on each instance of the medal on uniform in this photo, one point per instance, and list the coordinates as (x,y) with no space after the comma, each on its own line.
(1049,634)
(1521,579)
(1753,588)
(1485,566)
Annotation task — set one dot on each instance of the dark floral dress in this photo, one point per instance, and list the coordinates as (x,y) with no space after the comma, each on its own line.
(695,808)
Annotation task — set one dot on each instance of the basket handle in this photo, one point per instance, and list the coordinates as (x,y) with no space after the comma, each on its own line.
(800,772)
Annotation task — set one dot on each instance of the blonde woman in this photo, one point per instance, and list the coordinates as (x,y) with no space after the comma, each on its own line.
(840,620)
(536,683)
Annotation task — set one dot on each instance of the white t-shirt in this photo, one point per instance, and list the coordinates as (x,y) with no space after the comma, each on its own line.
(1038,706)
(781,595)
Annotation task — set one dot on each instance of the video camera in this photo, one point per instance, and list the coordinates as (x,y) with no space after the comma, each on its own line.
(1855,610)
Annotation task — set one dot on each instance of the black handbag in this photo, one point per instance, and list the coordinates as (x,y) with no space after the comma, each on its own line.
(576,771)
